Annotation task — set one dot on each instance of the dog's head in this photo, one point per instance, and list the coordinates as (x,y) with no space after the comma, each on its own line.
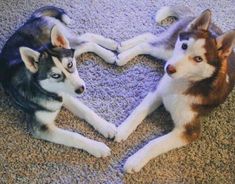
(197,54)
(54,67)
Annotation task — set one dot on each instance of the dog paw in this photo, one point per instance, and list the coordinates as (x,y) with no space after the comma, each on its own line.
(111,44)
(122,134)
(121,48)
(111,58)
(121,60)
(98,149)
(108,131)
(133,164)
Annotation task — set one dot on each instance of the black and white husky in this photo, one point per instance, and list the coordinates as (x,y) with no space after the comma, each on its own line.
(199,75)
(38,71)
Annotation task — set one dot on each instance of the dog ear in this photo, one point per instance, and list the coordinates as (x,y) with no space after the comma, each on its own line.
(226,43)
(202,22)
(30,58)
(58,39)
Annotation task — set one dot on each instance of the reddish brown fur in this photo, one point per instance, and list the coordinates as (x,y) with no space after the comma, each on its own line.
(214,90)
(192,131)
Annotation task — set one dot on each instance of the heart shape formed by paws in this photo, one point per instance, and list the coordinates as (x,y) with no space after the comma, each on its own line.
(113,92)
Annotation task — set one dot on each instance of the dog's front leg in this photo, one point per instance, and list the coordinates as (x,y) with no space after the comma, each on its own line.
(180,136)
(107,55)
(153,149)
(44,128)
(144,48)
(100,40)
(147,106)
(79,109)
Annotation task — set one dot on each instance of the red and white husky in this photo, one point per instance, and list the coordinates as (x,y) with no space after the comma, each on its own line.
(199,75)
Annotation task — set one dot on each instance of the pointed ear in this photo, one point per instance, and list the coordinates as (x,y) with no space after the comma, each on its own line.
(226,43)
(202,22)
(30,58)
(58,39)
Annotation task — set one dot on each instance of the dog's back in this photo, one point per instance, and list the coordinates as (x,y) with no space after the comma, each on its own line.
(34,34)
(51,11)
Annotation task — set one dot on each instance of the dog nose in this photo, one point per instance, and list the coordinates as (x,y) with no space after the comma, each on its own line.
(80,90)
(170,69)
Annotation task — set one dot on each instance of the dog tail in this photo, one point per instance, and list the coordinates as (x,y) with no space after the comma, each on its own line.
(168,14)
(52,11)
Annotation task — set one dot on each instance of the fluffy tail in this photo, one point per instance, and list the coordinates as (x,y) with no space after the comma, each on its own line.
(169,14)
(52,11)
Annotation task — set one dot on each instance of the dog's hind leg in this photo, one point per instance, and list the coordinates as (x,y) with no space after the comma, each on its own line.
(100,40)
(105,54)
(108,130)
(147,106)
(144,38)
(45,129)
(144,48)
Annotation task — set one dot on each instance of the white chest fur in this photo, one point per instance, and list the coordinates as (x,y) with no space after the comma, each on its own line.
(175,101)
(51,104)
(46,117)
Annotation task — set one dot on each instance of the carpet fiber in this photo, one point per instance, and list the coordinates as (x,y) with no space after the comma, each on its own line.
(113,92)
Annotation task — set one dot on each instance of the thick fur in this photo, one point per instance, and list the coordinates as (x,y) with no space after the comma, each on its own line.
(38,71)
(199,75)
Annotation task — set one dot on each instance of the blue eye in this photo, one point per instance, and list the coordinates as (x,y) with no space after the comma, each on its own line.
(55,75)
(184,46)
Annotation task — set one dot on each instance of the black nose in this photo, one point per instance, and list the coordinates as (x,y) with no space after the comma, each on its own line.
(80,90)
(170,69)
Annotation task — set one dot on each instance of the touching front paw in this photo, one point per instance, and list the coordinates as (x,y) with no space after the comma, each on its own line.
(112,45)
(110,57)
(122,133)
(108,131)
(98,149)
(121,48)
(121,59)
(133,164)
